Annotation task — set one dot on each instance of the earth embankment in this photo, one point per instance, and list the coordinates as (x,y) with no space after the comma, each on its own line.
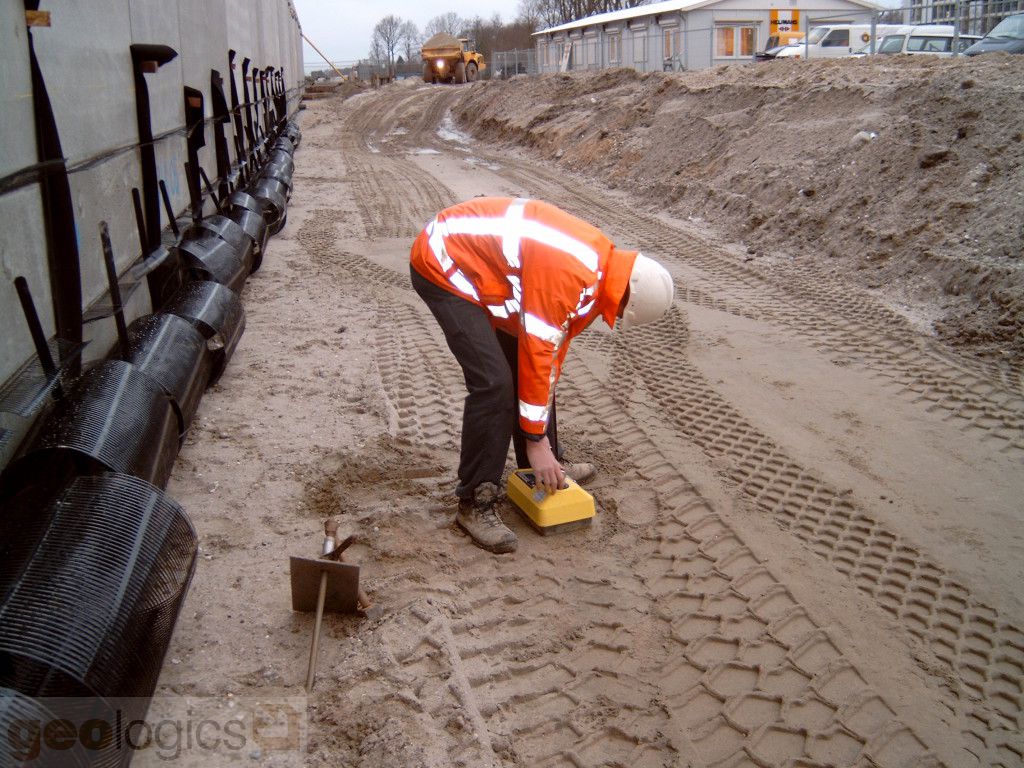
(904,173)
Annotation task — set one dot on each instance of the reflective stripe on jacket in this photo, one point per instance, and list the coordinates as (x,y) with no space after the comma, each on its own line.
(542,274)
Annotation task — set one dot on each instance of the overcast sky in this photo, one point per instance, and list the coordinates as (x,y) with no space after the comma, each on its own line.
(342,28)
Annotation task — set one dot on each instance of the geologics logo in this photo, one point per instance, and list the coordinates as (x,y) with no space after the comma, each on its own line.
(185,730)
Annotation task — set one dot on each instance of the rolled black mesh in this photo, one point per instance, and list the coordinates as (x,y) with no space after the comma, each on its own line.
(275,194)
(173,352)
(113,418)
(216,311)
(240,199)
(255,226)
(226,228)
(211,258)
(23,742)
(90,588)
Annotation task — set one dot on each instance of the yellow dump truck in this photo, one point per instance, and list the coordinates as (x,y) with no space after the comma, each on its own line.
(448,59)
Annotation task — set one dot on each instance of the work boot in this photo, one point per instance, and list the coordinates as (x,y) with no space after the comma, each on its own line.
(479,518)
(580,472)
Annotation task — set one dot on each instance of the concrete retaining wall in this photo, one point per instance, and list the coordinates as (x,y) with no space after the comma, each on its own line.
(85,61)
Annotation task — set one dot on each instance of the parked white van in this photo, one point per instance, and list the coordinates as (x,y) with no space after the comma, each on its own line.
(835,40)
(926,39)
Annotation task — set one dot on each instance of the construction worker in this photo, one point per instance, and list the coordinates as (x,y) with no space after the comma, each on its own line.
(511,282)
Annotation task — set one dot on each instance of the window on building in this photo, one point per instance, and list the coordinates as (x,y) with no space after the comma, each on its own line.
(733,42)
(725,42)
(670,44)
(748,41)
(554,54)
(639,46)
(614,49)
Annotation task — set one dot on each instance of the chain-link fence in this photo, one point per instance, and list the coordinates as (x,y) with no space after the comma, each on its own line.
(364,69)
(505,64)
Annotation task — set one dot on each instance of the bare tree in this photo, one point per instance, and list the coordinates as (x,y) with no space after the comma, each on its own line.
(450,23)
(410,41)
(538,14)
(376,50)
(549,13)
(386,40)
(493,35)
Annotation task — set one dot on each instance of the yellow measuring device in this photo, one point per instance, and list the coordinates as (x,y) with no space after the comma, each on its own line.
(569,508)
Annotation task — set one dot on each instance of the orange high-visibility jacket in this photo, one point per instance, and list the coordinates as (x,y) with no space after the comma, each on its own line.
(542,274)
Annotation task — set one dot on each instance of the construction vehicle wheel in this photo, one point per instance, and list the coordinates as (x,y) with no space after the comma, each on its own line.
(460,72)
(428,73)
(471,72)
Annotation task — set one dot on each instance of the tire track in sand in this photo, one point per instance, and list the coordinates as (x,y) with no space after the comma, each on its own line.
(702,724)
(394,197)
(983,398)
(983,652)
(684,650)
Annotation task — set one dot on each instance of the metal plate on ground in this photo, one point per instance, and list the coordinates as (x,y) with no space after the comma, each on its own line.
(342,585)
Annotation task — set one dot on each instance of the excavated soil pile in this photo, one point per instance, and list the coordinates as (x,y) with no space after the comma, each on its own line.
(905,173)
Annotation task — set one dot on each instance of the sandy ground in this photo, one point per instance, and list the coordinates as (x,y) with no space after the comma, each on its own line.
(808,545)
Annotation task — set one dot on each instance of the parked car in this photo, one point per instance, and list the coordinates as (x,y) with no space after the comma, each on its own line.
(776,43)
(927,39)
(866,49)
(835,40)
(770,53)
(1006,36)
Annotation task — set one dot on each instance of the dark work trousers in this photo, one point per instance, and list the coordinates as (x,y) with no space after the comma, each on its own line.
(488,359)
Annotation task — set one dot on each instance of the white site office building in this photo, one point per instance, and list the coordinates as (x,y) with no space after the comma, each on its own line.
(686,34)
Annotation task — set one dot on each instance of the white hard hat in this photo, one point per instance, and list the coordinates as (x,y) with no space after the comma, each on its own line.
(650,293)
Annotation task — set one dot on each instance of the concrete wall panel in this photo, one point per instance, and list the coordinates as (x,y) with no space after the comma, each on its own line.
(22,254)
(156,22)
(17,125)
(170,167)
(240,28)
(203,32)
(86,62)
(22,247)
(104,193)
(270,44)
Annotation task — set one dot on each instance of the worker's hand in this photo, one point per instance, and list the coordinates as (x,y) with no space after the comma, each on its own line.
(546,468)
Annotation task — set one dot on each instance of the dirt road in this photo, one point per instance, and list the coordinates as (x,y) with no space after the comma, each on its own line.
(808,546)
